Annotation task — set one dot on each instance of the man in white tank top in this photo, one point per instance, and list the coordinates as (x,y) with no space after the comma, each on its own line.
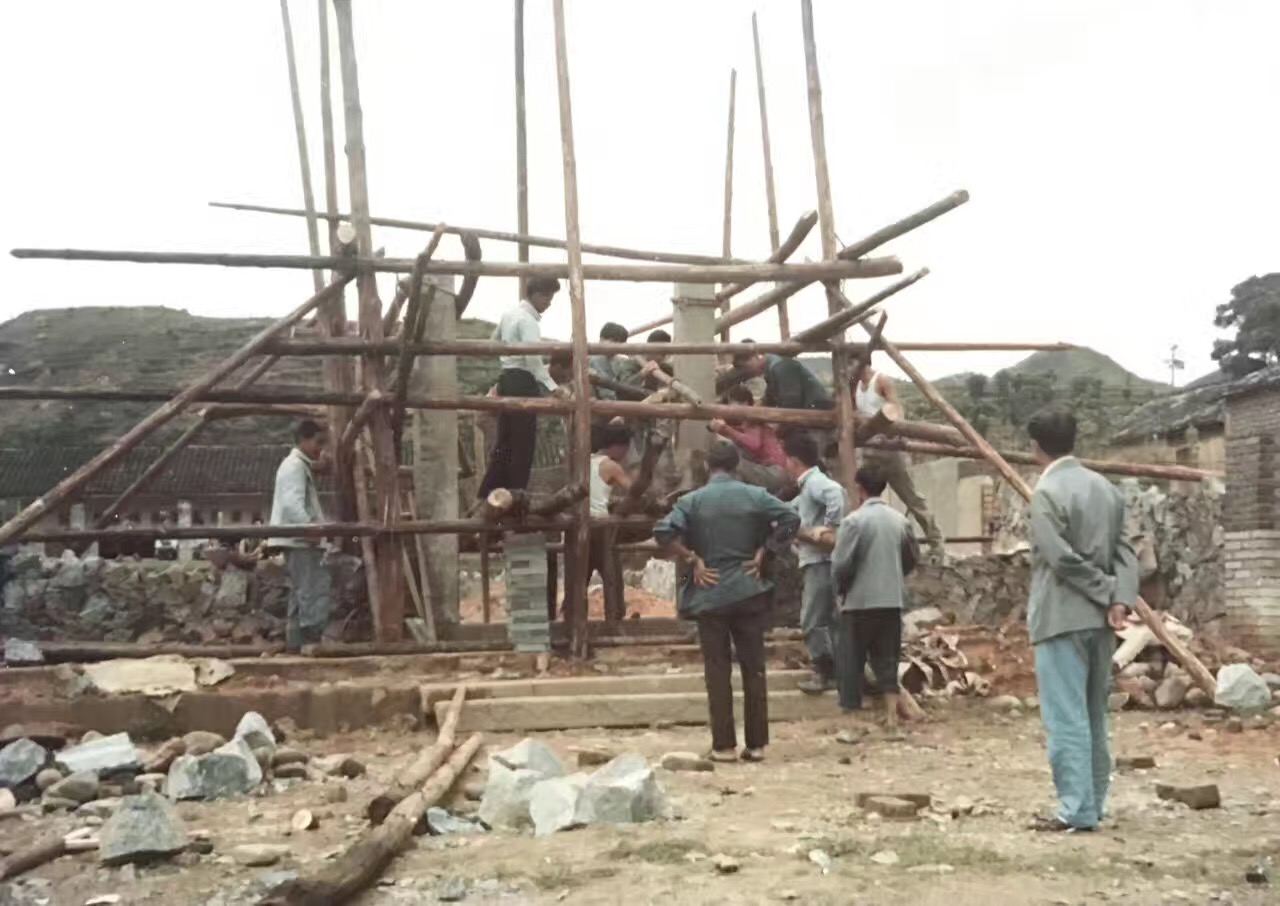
(871,391)
(607,473)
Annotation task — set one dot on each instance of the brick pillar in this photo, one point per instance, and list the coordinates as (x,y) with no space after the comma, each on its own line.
(695,316)
(527,624)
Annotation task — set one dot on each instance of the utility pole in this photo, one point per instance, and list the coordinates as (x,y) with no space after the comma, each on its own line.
(1175,365)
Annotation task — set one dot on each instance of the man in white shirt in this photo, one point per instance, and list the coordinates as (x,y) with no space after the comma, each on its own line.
(511,460)
(296,502)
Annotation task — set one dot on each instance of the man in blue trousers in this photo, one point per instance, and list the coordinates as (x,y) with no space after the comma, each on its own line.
(1084,578)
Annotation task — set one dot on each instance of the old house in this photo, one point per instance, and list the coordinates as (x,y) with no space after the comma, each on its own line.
(1186,427)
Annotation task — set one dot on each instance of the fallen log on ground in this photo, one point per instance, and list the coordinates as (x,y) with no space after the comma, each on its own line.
(45,851)
(422,767)
(363,862)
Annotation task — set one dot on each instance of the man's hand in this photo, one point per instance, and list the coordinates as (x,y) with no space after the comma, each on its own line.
(1118,617)
(717,425)
(562,392)
(753,566)
(703,575)
(493,392)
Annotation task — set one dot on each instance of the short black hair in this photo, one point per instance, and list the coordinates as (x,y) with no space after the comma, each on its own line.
(1054,429)
(613,332)
(561,360)
(537,286)
(658,336)
(746,355)
(871,479)
(802,446)
(610,435)
(722,457)
(309,428)
(740,393)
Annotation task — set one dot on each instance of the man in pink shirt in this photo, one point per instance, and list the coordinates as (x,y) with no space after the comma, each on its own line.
(763,462)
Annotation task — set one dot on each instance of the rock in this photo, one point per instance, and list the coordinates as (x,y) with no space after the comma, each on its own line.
(1172,691)
(441,823)
(283,757)
(821,859)
(553,803)
(1197,797)
(202,742)
(200,847)
(7,799)
(254,730)
(891,806)
(919,800)
(228,771)
(103,756)
(1196,698)
(47,778)
(157,676)
(159,761)
(304,819)
(335,794)
(686,761)
(342,765)
(262,755)
(1134,762)
(259,855)
(144,827)
(506,796)
(1241,689)
(1117,700)
(530,754)
(1257,874)
(293,771)
(1005,702)
(885,857)
(589,757)
(20,761)
(20,653)
(938,868)
(725,864)
(151,783)
(623,791)
(91,735)
(100,808)
(57,804)
(473,792)
(451,890)
(1234,725)
(80,788)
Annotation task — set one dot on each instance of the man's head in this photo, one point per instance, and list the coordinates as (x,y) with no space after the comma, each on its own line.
(738,395)
(860,367)
(613,333)
(560,367)
(749,361)
(1053,434)
(312,438)
(871,482)
(657,336)
(722,457)
(614,441)
(540,291)
(802,452)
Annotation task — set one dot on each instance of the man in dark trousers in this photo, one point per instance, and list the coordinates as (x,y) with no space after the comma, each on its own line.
(721,532)
(511,460)
(788,382)
(1084,579)
(875,549)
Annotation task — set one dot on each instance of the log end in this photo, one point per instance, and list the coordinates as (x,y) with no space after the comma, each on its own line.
(379,808)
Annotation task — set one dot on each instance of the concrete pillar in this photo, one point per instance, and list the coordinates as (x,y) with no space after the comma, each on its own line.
(186,548)
(435,456)
(77,516)
(695,317)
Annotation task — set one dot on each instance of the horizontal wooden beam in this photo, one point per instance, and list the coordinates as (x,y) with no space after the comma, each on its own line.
(641,273)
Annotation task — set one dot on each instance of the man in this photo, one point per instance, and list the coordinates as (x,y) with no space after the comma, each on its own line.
(296,502)
(820,504)
(872,391)
(637,371)
(764,463)
(720,532)
(1084,578)
(608,475)
(511,460)
(789,383)
(609,366)
(874,552)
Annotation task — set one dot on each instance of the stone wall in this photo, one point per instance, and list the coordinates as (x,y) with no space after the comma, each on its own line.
(92,599)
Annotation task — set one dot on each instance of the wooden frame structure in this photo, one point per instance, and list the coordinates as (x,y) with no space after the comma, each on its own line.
(366,420)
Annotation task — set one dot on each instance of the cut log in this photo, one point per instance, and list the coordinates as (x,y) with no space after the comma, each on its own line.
(33,856)
(677,387)
(422,767)
(849,315)
(363,862)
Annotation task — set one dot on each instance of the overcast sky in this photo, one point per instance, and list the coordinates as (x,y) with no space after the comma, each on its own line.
(1121,154)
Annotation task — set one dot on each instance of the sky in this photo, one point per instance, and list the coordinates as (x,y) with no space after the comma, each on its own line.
(1120,154)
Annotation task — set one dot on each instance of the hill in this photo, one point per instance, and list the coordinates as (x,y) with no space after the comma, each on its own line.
(147,348)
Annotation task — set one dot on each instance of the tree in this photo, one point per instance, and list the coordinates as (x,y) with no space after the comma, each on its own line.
(1254,314)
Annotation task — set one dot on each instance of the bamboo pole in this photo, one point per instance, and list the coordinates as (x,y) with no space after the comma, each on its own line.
(638,273)
(424,560)
(830,248)
(784,320)
(522,145)
(1198,672)
(58,495)
(608,251)
(576,592)
(300,129)
(846,317)
(727,229)
(326,128)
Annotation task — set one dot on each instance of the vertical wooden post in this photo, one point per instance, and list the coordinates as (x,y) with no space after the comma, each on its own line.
(300,130)
(522,145)
(726,244)
(326,128)
(388,619)
(830,248)
(784,322)
(580,540)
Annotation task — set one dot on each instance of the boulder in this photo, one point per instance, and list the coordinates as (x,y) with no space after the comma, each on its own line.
(259,855)
(513,773)
(532,755)
(102,756)
(201,742)
(144,827)
(441,822)
(227,771)
(623,791)
(1172,691)
(686,761)
(47,778)
(254,730)
(21,653)
(1196,698)
(80,788)
(1272,680)
(1240,688)
(20,761)
(553,803)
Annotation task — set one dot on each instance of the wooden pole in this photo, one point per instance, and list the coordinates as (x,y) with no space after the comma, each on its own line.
(905,225)
(830,248)
(416,773)
(151,472)
(846,317)
(63,491)
(300,129)
(1198,672)
(576,592)
(727,229)
(388,619)
(522,145)
(784,321)
(414,318)
(326,128)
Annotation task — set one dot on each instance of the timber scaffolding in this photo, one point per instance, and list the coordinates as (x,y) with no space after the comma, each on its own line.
(367,405)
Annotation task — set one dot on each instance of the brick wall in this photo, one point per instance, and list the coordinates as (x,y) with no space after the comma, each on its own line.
(1251,520)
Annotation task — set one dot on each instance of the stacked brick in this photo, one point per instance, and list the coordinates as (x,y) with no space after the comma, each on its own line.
(527,625)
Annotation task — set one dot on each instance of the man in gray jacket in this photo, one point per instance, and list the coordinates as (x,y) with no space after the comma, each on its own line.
(296,502)
(1084,578)
(875,549)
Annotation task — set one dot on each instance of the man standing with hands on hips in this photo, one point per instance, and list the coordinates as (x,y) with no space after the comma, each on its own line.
(1084,578)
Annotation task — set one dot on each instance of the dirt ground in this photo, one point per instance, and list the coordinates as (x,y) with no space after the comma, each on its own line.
(770,818)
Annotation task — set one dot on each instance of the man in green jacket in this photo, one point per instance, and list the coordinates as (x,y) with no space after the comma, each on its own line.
(721,533)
